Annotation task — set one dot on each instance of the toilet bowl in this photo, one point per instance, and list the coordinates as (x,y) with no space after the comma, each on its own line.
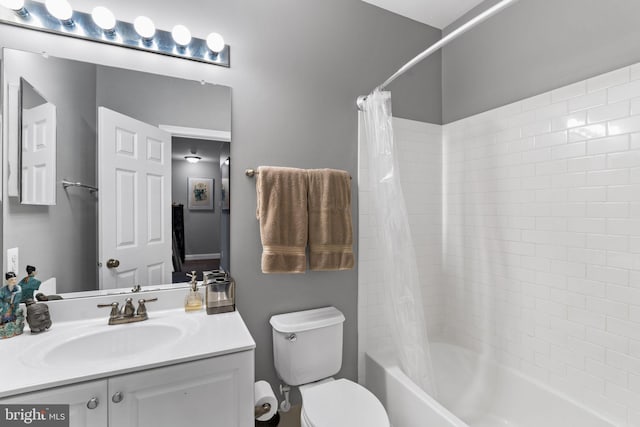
(340,403)
(307,350)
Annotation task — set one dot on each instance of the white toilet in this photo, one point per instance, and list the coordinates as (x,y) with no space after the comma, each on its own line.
(307,348)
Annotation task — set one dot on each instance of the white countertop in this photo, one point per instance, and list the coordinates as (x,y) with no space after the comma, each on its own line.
(201,336)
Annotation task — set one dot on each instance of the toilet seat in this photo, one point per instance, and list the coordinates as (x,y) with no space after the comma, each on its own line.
(341,403)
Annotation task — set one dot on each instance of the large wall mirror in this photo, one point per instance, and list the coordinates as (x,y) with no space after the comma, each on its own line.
(125,207)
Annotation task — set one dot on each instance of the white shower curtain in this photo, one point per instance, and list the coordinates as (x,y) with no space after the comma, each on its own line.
(403,302)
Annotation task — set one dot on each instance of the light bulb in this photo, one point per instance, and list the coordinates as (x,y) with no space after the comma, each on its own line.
(16,5)
(61,9)
(144,27)
(192,158)
(103,18)
(215,42)
(181,35)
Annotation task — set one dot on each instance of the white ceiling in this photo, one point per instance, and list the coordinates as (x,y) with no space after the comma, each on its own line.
(437,13)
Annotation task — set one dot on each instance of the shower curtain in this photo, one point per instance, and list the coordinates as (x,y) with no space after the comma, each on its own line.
(403,302)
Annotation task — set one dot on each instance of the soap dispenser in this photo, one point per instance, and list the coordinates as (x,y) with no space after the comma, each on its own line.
(193,301)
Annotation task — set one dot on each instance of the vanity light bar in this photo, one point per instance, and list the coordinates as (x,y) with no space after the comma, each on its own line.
(35,16)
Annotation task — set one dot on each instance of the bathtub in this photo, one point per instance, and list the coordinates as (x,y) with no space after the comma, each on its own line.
(472,392)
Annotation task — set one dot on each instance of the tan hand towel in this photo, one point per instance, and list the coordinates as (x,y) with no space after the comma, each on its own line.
(330,228)
(282,212)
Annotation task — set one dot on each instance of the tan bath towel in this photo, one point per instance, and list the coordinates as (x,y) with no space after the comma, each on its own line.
(282,212)
(330,228)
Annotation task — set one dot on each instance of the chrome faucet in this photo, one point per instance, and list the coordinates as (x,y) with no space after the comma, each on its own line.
(128,314)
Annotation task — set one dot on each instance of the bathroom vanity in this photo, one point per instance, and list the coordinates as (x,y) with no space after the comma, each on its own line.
(169,369)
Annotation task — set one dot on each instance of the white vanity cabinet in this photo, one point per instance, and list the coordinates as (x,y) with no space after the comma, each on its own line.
(212,392)
(216,392)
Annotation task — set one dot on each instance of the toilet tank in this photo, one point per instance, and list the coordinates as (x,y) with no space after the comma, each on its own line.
(307,345)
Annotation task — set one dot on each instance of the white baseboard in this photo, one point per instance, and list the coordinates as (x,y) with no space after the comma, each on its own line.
(196,257)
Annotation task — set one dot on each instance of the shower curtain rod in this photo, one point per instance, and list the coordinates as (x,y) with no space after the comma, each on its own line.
(440,43)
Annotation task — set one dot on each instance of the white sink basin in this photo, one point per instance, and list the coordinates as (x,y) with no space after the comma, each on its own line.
(112,343)
(87,343)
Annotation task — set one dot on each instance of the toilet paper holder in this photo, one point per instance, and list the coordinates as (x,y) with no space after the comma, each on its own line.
(260,410)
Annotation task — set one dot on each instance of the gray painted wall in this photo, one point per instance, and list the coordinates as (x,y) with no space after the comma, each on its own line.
(157,99)
(534,46)
(296,70)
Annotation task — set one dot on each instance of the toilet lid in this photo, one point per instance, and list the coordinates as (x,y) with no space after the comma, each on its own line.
(342,403)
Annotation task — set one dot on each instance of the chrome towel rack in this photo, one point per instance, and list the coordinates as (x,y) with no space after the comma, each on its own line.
(66,184)
(253,172)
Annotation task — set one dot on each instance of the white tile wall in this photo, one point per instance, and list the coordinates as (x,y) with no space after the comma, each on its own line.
(565,238)
(526,219)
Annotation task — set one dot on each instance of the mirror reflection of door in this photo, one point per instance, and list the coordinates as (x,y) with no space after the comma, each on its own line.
(37,147)
(134,224)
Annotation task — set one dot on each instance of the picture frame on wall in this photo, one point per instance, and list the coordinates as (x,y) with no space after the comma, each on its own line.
(201,194)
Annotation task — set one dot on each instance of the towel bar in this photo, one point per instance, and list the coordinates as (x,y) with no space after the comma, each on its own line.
(253,172)
(66,184)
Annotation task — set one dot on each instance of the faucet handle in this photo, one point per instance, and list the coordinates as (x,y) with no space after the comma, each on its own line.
(142,308)
(114,309)
(128,310)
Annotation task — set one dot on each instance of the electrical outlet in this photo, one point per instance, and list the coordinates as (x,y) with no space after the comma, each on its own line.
(12,260)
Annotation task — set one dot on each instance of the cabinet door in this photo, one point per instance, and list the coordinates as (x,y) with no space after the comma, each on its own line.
(216,392)
(77,396)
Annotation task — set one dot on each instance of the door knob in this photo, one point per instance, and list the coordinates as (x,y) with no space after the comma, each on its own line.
(93,403)
(117,397)
(113,263)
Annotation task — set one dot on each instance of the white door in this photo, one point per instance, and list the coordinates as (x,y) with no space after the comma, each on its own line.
(39,155)
(134,179)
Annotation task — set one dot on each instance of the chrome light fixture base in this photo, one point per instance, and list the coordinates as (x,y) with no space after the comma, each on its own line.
(35,16)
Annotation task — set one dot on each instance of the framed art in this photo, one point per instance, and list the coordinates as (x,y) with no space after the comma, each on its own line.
(200,192)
